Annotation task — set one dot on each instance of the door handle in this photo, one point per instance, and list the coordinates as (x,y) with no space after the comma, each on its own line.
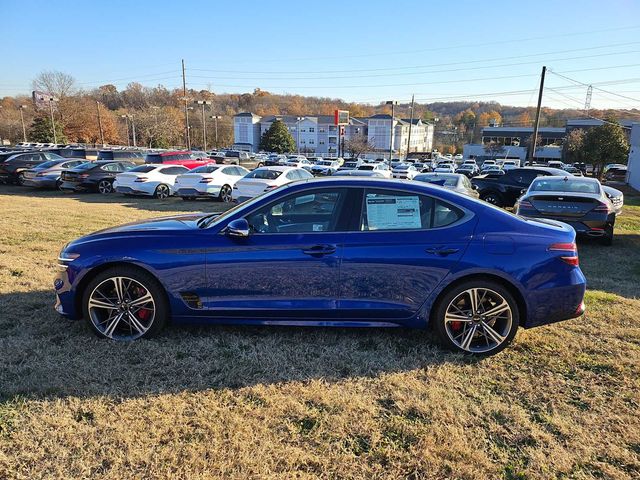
(319,250)
(441,251)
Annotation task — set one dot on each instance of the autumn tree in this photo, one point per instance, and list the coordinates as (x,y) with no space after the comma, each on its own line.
(604,144)
(358,145)
(57,84)
(277,139)
(489,117)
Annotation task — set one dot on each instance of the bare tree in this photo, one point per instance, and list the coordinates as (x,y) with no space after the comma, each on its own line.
(358,145)
(55,83)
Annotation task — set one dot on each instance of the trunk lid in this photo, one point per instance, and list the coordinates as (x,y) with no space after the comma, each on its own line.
(563,204)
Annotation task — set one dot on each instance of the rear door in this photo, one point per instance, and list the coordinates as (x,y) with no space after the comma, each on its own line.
(400,249)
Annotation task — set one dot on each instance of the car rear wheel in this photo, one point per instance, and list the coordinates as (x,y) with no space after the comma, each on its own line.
(493,198)
(225,194)
(105,187)
(477,317)
(162,191)
(125,303)
(260,165)
(607,238)
(59,185)
(20,179)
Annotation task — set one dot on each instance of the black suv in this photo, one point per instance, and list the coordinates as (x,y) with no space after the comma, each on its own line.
(503,190)
(93,176)
(12,168)
(134,156)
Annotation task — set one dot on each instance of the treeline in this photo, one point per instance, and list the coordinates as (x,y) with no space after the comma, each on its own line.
(158,114)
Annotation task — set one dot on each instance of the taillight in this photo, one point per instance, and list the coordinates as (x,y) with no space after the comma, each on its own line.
(141,179)
(206,180)
(270,187)
(602,207)
(569,247)
(525,204)
(84,175)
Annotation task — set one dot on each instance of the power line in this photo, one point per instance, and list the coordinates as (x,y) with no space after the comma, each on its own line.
(596,88)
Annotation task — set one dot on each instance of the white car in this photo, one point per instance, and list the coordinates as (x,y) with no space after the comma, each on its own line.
(509,165)
(212,181)
(445,168)
(264,179)
(300,163)
(458,157)
(405,170)
(150,179)
(325,167)
(380,169)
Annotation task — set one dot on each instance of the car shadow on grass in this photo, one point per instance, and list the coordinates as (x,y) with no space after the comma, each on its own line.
(171,204)
(46,356)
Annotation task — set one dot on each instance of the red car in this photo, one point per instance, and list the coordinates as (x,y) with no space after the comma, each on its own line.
(184,158)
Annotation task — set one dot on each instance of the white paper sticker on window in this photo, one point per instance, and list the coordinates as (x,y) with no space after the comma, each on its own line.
(388,212)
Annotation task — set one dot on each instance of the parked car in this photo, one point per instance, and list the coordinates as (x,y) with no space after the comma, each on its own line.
(468,170)
(504,190)
(445,168)
(510,165)
(614,174)
(275,159)
(404,171)
(453,181)
(12,169)
(209,181)
(299,162)
(380,169)
(351,164)
(234,157)
(577,201)
(264,179)
(149,180)
(325,167)
(183,158)
(47,174)
(492,170)
(616,197)
(573,170)
(261,159)
(134,156)
(93,176)
(416,255)
(556,164)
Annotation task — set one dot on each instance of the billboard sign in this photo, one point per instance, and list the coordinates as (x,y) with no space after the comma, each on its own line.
(41,100)
(341,117)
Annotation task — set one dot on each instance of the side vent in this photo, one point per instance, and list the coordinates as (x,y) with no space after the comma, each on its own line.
(192,300)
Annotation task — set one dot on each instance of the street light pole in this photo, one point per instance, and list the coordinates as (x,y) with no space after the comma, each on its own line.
(100,123)
(53,122)
(215,118)
(24,131)
(204,122)
(298,134)
(393,104)
(126,121)
(133,130)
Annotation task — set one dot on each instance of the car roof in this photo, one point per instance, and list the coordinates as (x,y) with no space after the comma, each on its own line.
(277,168)
(569,178)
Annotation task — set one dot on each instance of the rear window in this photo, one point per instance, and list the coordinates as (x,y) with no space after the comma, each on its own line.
(85,166)
(205,169)
(105,156)
(48,164)
(143,169)
(153,158)
(437,180)
(562,185)
(366,167)
(264,174)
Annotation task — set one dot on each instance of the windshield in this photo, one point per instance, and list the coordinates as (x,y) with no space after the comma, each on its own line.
(264,174)
(564,185)
(143,169)
(366,167)
(351,164)
(323,162)
(438,179)
(205,169)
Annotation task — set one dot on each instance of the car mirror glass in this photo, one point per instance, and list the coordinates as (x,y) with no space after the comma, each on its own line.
(238,228)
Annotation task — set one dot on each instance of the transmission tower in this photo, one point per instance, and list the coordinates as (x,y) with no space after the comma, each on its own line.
(587,102)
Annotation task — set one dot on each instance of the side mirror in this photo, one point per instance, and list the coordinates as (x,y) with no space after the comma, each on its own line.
(238,228)
(523,191)
(475,187)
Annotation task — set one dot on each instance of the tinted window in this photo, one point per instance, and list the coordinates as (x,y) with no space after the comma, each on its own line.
(264,174)
(48,164)
(53,156)
(143,169)
(562,185)
(105,156)
(86,166)
(523,177)
(111,167)
(153,158)
(229,171)
(394,210)
(205,169)
(303,212)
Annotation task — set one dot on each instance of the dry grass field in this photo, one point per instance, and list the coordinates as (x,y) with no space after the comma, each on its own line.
(238,402)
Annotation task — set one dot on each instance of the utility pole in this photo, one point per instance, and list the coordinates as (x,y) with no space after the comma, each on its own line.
(298,135)
(186,111)
(410,127)
(215,119)
(24,131)
(204,122)
(393,104)
(537,121)
(133,130)
(100,123)
(53,122)
(126,121)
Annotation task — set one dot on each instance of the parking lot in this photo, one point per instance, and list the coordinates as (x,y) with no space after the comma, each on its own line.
(292,402)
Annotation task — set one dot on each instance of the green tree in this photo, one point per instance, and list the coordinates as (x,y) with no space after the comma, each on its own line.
(604,144)
(277,139)
(41,131)
(574,145)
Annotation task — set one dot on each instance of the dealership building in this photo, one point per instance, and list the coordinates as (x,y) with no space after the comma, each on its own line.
(318,135)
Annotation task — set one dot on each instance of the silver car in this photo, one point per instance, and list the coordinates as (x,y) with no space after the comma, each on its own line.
(47,174)
(453,181)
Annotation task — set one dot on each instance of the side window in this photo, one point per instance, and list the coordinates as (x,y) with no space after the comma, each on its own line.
(229,170)
(395,210)
(303,212)
(293,175)
(110,167)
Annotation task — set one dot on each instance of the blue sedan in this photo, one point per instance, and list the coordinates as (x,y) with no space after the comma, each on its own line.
(344,252)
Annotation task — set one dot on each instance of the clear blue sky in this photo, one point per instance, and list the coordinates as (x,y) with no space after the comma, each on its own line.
(356,50)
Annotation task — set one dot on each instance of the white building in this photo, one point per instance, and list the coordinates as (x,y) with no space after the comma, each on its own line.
(318,135)
(633,165)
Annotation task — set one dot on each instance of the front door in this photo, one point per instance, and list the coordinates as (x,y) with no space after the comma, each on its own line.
(404,246)
(288,268)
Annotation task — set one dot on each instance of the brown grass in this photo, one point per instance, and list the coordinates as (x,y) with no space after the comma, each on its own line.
(235,402)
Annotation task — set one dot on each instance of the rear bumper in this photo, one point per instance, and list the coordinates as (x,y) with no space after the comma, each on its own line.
(210,192)
(76,186)
(41,182)
(132,191)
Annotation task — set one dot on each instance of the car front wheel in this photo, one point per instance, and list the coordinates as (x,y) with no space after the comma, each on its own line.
(162,191)
(225,194)
(493,198)
(124,303)
(477,317)
(105,187)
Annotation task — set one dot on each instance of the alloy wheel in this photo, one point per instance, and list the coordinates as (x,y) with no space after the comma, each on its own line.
(225,193)
(162,192)
(105,187)
(121,308)
(478,320)
(21,179)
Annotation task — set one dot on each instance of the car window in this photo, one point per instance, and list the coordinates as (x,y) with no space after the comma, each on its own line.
(523,177)
(229,171)
(395,210)
(303,212)
(111,167)
(292,175)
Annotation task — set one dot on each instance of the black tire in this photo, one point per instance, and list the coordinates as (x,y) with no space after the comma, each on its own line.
(188,199)
(162,192)
(440,310)
(59,185)
(607,238)
(105,186)
(493,198)
(20,179)
(260,165)
(149,282)
(225,194)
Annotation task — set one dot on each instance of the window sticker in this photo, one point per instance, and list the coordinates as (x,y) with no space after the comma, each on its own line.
(388,212)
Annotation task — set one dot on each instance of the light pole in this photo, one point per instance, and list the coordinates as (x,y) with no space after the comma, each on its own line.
(126,121)
(393,104)
(204,122)
(24,131)
(100,123)
(298,134)
(133,130)
(53,122)
(215,118)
